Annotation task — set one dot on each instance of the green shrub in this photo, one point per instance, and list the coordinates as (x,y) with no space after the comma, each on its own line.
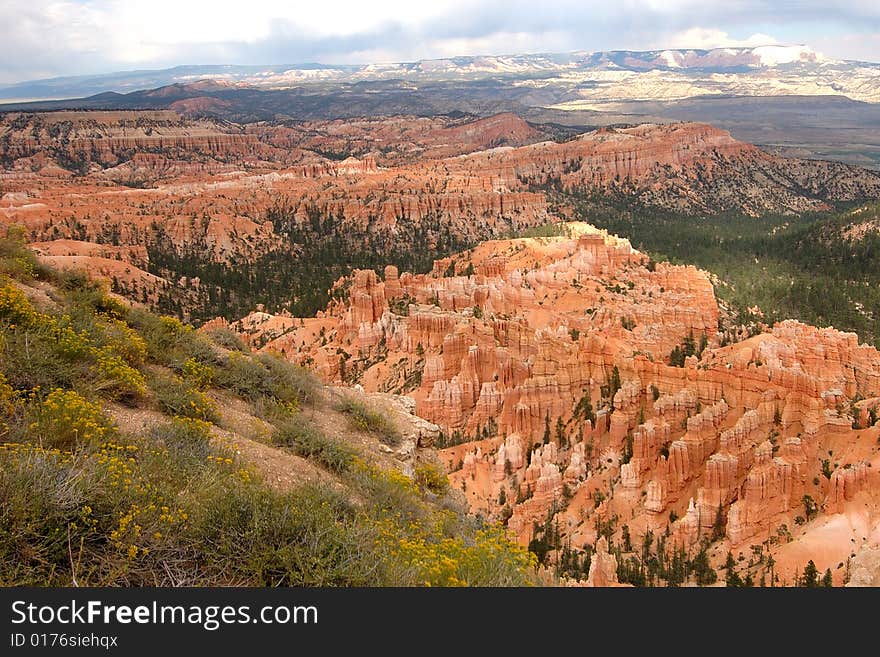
(169,341)
(290,382)
(161,334)
(306,538)
(245,377)
(40,495)
(273,411)
(266,375)
(16,260)
(30,359)
(306,440)
(195,346)
(227,338)
(364,418)
(86,297)
(187,439)
(179,397)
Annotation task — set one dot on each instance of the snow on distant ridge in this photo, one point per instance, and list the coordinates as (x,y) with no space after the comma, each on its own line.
(776,55)
(671,60)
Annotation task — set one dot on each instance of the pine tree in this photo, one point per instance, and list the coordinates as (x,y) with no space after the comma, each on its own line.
(718,525)
(827,579)
(547,428)
(614,385)
(733,579)
(810,578)
(561,439)
(676,358)
(584,409)
(810,507)
(626,456)
(704,342)
(625,539)
(702,569)
(690,347)
(647,542)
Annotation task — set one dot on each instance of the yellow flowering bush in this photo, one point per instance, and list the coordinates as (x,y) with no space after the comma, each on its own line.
(192,428)
(67,419)
(117,377)
(390,478)
(452,561)
(177,397)
(8,400)
(117,462)
(16,309)
(200,374)
(124,341)
(73,345)
(7,396)
(189,441)
(432,477)
(142,526)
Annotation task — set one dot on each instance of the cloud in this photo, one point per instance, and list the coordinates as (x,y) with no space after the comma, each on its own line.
(858,46)
(703,38)
(41,38)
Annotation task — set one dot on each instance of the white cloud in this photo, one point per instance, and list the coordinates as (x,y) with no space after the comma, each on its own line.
(705,38)
(859,46)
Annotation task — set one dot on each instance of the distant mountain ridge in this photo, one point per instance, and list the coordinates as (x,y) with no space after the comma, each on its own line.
(789,99)
(540,66)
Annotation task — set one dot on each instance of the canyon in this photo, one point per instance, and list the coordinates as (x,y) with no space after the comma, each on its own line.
(582,393)
(194,204)
(546,363)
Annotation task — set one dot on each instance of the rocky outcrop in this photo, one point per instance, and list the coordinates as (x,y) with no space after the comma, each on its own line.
(603,566)
(845,484)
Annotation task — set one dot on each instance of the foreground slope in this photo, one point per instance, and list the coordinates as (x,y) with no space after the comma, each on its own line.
(588,394)
(136,452)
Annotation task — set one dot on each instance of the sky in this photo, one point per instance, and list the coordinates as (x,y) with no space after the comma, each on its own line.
(48,38)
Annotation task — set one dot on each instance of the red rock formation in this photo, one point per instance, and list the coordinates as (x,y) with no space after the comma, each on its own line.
(845,484)
(603,566)
(210,185)
(727,447)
